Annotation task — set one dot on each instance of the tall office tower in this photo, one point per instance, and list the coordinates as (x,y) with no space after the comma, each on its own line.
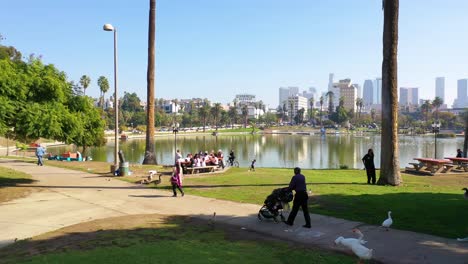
(331,76)
(440,88)
(295,103)
(368,93)
(378,91)
(409,96)
(461,101)
(358,90)
(286,92)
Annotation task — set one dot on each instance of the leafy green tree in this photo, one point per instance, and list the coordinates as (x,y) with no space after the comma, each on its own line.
(203,113)
(245,113)
(216,112)
(232,115)
(437,103)
(131,102)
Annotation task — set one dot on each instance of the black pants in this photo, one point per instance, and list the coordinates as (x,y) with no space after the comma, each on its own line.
(370,175)
(300,200)
(174,186)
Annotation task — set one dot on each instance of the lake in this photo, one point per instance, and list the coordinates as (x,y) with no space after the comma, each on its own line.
(280,151)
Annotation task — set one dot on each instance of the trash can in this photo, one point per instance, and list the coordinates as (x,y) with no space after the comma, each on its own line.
(123,169)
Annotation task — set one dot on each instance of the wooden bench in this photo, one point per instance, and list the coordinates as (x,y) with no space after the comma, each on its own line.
(193,170)
(448,168)
(417,166)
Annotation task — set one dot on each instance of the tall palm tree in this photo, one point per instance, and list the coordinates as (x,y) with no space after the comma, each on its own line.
(311,103)
(203,113)
(291,104)
(436,104)
(85,81)
(245,114)
(330,95)
(321,101)
(359,104)
(425,109)
(389,156)
(103,84)
(215,112)
(150,156)
(232,115)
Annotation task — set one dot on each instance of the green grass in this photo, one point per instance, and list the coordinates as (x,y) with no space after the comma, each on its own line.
(432,205)
(173,241)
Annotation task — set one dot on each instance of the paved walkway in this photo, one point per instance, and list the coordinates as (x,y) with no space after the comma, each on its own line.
(70,197)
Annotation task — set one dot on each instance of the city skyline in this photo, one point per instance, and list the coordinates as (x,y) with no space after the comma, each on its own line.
(241,46)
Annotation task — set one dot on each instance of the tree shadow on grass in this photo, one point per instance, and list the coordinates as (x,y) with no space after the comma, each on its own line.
(11,182)
(138,238)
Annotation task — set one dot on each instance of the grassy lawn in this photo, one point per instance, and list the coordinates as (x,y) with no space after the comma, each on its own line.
(9,179)
(156,239)
(432,205)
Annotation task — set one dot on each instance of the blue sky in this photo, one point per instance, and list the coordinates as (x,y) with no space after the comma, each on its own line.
(219,48)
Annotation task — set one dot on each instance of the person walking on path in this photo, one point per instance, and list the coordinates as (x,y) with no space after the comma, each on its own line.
(298,184)
(368,160)
(176,180)
(40,152)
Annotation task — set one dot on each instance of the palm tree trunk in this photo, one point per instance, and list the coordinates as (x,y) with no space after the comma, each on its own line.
(150,157)
(389,156)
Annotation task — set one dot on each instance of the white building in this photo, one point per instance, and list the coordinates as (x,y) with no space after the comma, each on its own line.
(286,92)
(440,87)
(344,89)
(295,103)
(377,91)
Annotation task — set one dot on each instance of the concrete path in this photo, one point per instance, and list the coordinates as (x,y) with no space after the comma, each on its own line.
(70,197)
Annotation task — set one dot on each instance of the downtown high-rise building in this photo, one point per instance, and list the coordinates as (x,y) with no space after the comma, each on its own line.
(461,101)
(368,93)
(409,96)
(286,92)
(440,88)
(377,91)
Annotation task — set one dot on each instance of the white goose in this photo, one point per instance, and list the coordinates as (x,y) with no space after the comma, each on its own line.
(466,193)
(356,245)
(389,221)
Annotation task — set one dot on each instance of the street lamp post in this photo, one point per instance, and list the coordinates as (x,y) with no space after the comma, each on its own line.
(175,130)
(435,130)
(109,27)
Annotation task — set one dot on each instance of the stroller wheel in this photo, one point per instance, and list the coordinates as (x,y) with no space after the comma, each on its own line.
(260,218)
(283,219)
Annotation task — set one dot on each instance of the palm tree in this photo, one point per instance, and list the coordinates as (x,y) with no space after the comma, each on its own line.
(291,104)
(85,81)
(150,157)
(321,100)
(425,109)
(311,102)
(359,104)
(330,95)
(103,84)
(436,104)
(203,113)
(245,114)
(215,112)
(389,156)
(232,115)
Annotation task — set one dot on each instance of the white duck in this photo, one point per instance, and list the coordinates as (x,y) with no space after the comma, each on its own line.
(356,246)
(389,221)
(347,242)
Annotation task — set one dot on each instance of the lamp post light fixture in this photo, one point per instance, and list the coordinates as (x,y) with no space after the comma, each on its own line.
(175,130)
(109,27)
(435,130)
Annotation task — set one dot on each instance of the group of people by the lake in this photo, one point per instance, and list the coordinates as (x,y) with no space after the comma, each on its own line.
(200,159)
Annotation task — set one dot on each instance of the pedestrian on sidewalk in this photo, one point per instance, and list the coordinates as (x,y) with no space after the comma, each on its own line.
(40,152)
(176,180)
(298,184)
(368,161)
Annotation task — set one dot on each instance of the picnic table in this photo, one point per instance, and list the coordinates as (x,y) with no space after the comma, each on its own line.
(462,163)
(434,166)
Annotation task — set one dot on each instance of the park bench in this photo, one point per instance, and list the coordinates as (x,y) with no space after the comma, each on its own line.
(193,170)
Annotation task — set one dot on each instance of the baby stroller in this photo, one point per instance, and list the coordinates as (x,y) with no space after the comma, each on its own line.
(275,203)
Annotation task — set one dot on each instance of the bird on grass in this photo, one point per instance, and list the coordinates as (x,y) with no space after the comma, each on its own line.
(466,193)
(389,221)
(212,220)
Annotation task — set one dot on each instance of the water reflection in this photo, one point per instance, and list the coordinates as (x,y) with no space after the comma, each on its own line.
(314,151)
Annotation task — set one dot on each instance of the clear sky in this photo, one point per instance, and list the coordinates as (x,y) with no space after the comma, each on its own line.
(219,48)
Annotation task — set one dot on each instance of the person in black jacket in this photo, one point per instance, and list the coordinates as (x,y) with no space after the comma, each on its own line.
(368,160)
(298,184)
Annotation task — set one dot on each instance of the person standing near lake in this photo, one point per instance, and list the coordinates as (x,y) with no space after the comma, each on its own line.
(176,180)
(40,152)
(459,153)
(368,161)
(298,184)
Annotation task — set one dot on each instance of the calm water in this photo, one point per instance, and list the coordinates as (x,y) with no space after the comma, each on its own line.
(314,151)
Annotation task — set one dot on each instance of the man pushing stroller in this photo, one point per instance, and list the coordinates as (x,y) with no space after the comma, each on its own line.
(298,184)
